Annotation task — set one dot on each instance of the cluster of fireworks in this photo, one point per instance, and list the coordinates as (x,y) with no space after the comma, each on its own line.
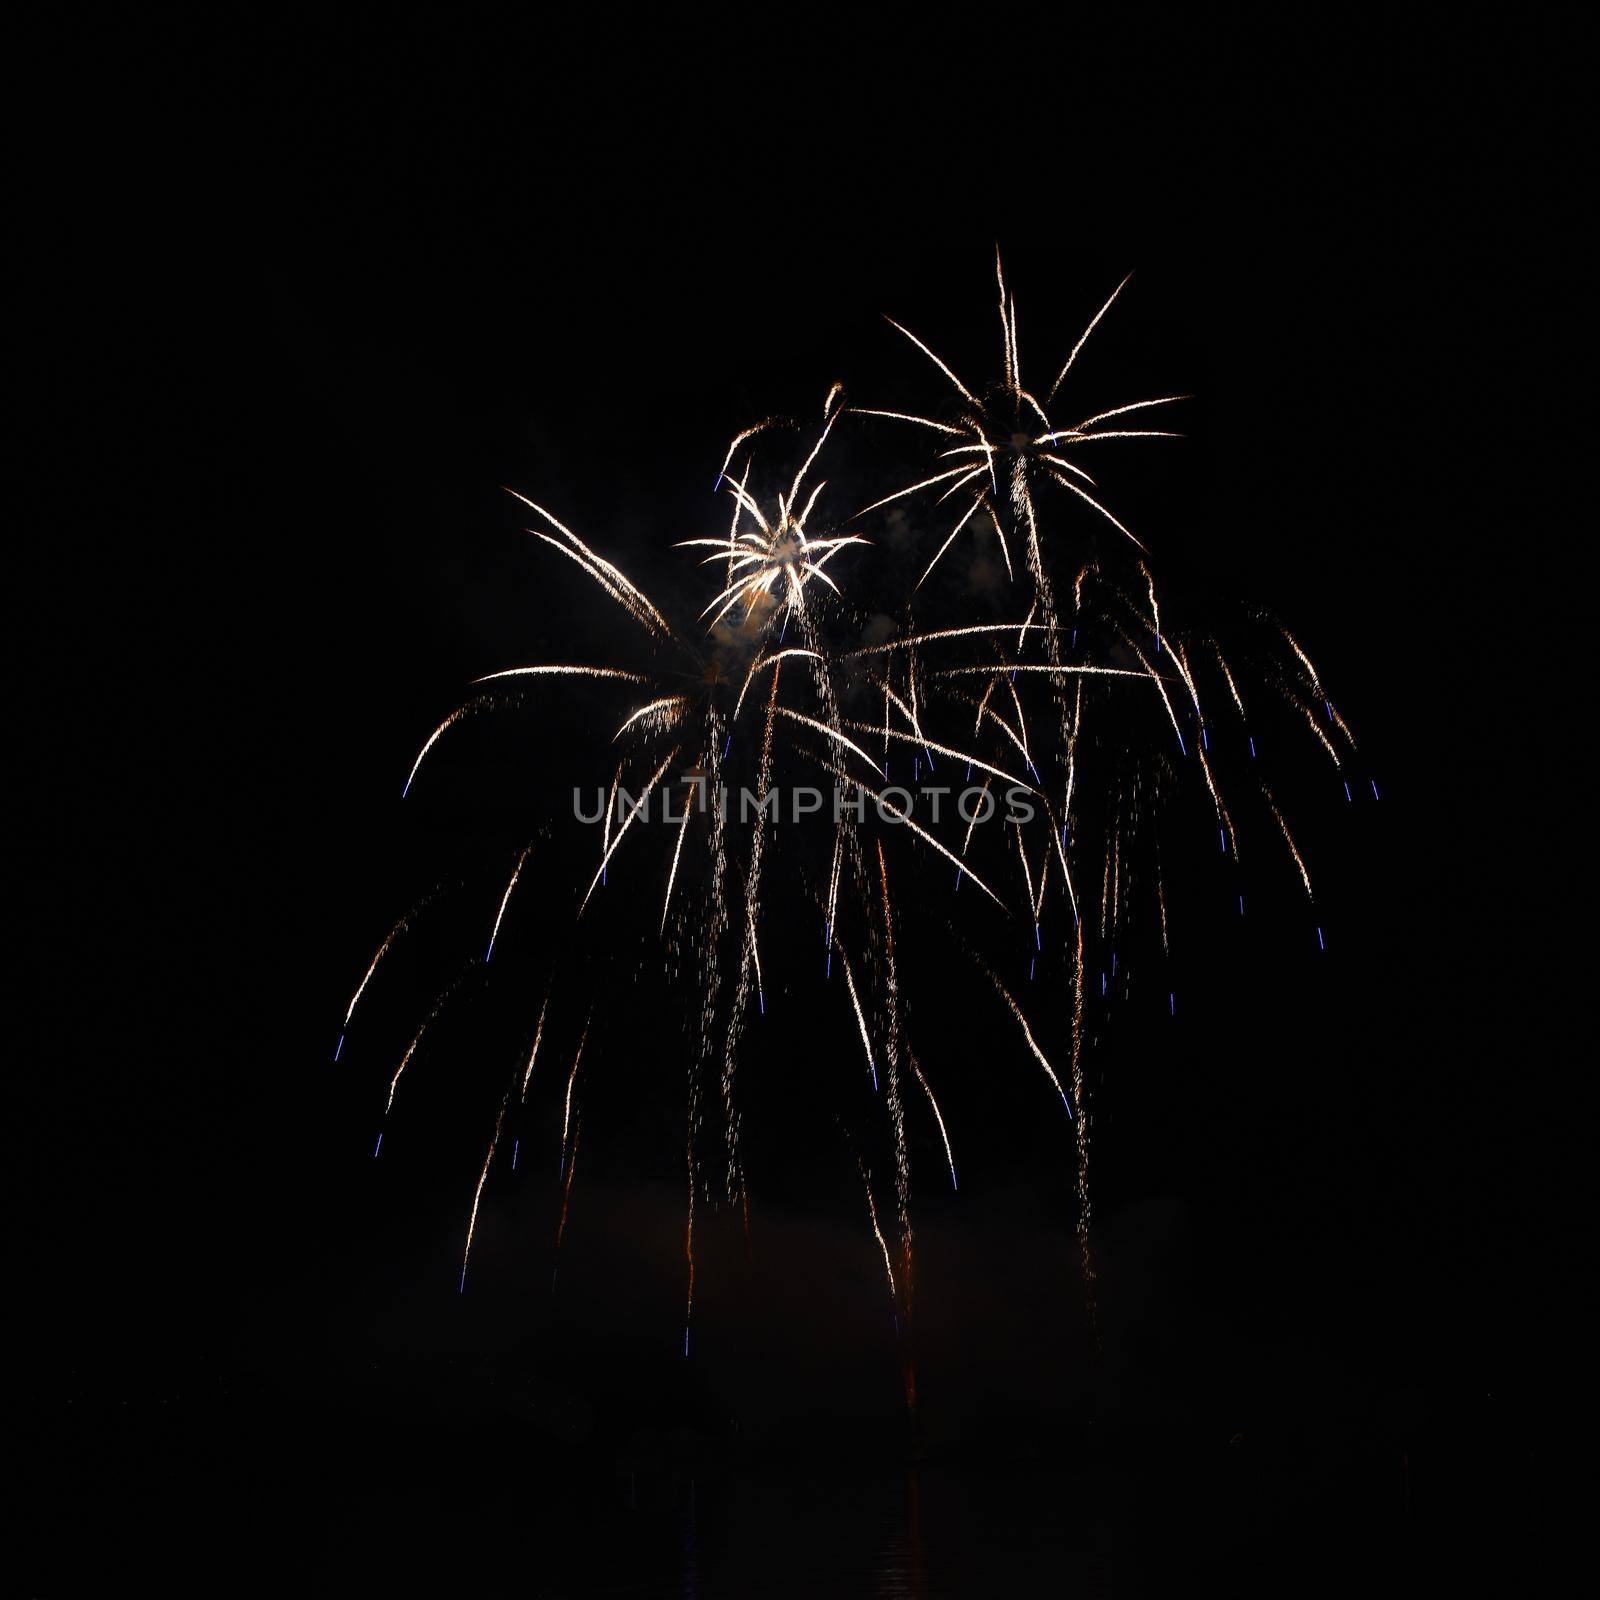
(1089,704)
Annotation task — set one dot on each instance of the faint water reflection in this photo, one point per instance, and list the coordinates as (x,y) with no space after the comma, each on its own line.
(916,1535)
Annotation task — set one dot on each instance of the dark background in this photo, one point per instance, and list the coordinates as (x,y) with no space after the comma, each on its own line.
(309,294)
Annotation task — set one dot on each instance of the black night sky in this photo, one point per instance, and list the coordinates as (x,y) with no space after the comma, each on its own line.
(308,293)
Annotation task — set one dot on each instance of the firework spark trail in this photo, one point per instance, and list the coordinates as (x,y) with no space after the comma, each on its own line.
(1161,688)
(877,1232)
(905,820)
(1045,600)
(861,1020)
(610,576)
(1081,1121)
(1027,871)
(966,517)
(891,1056)
(911,640)
(833,896)
(570,1168)
(417,1038)
(1027,1033)
(484,702)
(1230,840)
(637,807)
(1022,722)
(765,661)
(572,1078)
(1311,722)
(751,432)
(562,671)
(834,734)
(657,715)
(433,738)
(938,1116)
(716,924)
(610,812)
(747,957)
(1233,688)
(925,744)
(477,1193)
(987,710)
(533,1053)
(672,871)
(383,949)
(505,899)
(972,822)
(1057,672)
(1083,339)
(1288,839)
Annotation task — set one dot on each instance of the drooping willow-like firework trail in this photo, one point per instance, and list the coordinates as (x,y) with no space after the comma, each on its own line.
(1089,709)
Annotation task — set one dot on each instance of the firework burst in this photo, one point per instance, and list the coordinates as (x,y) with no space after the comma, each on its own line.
(1086,715)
